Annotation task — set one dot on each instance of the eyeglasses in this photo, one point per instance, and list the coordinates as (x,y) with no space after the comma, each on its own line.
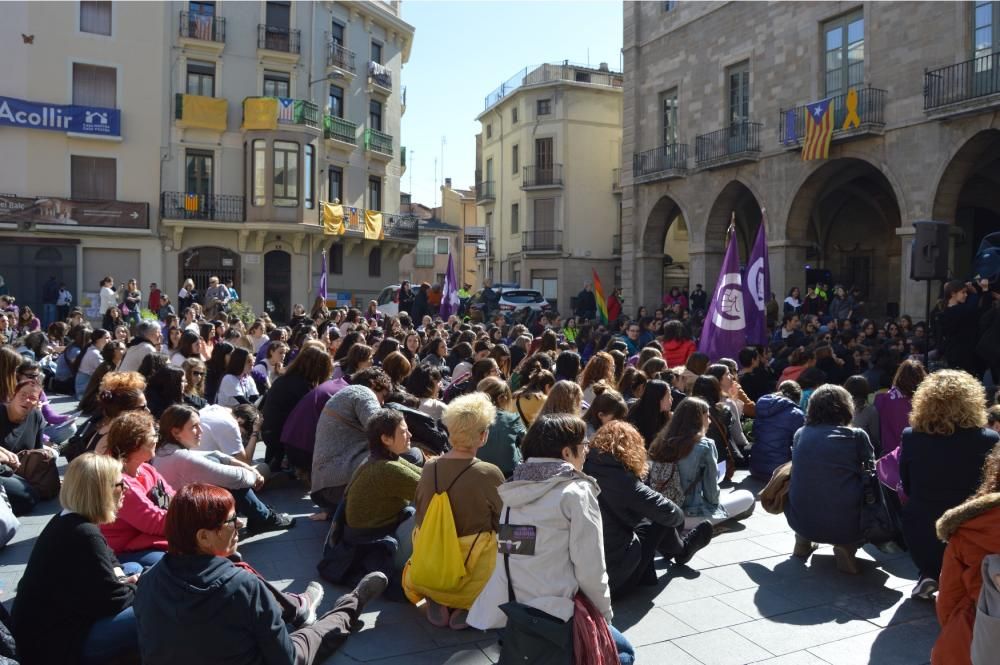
(235,521)
(120,485)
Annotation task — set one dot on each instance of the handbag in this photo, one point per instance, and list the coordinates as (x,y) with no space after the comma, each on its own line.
(888,472)
(532,637)
(40,472)
(879,523)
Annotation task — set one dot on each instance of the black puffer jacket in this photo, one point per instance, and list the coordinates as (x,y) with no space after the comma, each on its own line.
(625,501)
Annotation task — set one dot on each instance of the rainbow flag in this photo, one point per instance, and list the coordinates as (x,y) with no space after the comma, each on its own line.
(602,304)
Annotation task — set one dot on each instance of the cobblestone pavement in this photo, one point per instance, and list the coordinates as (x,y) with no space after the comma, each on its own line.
(743,599)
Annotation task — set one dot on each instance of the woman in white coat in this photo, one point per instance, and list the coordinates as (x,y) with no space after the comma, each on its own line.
(550,492)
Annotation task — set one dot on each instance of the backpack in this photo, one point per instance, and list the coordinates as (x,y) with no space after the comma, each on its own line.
(427,432)
(437,561)
(665,478)
(85,440)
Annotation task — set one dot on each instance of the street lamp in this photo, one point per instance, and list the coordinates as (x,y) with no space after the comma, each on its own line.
(331,77)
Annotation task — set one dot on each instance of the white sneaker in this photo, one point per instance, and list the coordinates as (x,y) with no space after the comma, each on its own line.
(925,589)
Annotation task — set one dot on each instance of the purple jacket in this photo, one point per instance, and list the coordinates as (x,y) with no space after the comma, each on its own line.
(51,417)
(300,428)
(894,416)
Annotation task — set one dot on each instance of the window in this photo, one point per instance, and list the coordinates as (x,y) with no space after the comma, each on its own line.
(582,77)
(489,170)
(203,8)
(668,110)
(375,262)
(336,259)
(545,220)
(276,84)
(93,178)
(375,115)
(200,78)
(515,218)
(546,282)
(669,5)
(95,86)
(337,33)
(739,93)
(95,17)
(543,157)
(336,101)
(199,167)
(286,173)
(986,39)
(442,246)
(513,116)
(489,130)
(374,193)
(844,40)
(279,15)
(376,52)
(543,106)
(309,183)
(259,183)
(336,178)
(515,160)
(424,257)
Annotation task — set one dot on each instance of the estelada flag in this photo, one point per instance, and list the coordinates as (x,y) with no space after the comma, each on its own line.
(819,129)
(602,304)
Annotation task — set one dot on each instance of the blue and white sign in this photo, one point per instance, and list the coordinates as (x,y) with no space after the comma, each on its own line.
(93,120)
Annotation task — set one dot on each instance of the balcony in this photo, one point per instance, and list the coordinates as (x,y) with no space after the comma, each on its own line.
(966,87)
(735,144)
(541,241)
(207,207)
(341,58)
(341,133)
(870,111)
(485,192)
(557,71)
(378,144)
(279,40)
(663,163)
(542,177)
(203,31)
(198,112)
(400,227)
(379,79)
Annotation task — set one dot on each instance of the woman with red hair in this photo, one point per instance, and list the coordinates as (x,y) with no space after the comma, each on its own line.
(194,604)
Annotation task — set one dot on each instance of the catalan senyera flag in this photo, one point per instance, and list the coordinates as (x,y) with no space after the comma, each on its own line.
(819,129)
(602,304)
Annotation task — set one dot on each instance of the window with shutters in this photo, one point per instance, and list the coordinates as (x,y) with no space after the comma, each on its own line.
(376,52)
(515,222)
(93,178)
(336,259)
(286,173)
(545,214)
(515,158)
(259,176)
(668,106)
(443,245)
(336,177)
(375,115)
(95,17)
(279,15)
(424,257)
(199,169)
(375,262)
(739,93)
(374,193)
(201,78)
(309,188)
(276,84)
(95,86)
(336,101)
(337,33)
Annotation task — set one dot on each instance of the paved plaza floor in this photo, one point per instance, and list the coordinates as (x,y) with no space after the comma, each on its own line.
(743,599)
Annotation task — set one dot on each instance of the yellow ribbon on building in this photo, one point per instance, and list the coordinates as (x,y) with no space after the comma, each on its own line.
(852,109)
(333,219)
(260,113)
(373,226)
(203,112)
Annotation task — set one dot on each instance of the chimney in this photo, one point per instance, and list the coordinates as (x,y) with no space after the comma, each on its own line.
(447,183)
(603,67)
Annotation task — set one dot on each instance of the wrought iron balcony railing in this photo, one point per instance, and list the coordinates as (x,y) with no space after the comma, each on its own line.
(547,240)
(208,207)
(376,141)
(962,82)
(870,110)
(203,26)
(543,176)
(340,57)
(274,38)
(665,159)
(739,140)
(484,191)
(340,129)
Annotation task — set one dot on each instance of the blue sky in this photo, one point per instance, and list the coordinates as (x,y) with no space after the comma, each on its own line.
(463,50)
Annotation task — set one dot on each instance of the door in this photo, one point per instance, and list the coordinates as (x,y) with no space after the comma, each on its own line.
(278,285)
(26,267)
(543,161)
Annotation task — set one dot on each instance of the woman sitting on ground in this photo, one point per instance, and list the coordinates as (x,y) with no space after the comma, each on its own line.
(216,365)
(565,397)
(778,418)
(268,369)
(88,361)
(696,365)
(940,464)
(237,385)
(503,445)
(551,492)
(720,422)
(865,414)
(471,488)
(529,400)
(21,426)
(424,383)
(120,392)
(111,357)
(894,406)
(194,383)
(683,449)
(91,600)
(376,520)
(600,367)
(164,389)
(608,405)
(637,521)
(826,493)
(972,531)
(199,606)
(137,534)
(190,346)
(180,462)
(650,414)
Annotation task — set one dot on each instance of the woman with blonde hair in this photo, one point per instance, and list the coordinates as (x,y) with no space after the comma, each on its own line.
(637,521)
(565,397)
(503,445)
(601,367)
(91,600)
(940,464)
(194,382)
(471,489)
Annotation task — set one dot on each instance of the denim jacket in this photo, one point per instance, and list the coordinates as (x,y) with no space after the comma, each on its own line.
(700,480)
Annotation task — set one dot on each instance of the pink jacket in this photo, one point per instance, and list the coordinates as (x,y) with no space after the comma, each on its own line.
(141,521)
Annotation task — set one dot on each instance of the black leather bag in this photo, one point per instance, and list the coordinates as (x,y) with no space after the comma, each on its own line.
(532,637)
(429,433)
(879,522)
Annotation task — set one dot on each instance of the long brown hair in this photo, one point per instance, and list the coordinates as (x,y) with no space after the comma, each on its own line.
(600,367)
(676,441)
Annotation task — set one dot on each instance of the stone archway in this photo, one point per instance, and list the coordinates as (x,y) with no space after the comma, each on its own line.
(736,199)
(966,196)
(662,252)
(843,219)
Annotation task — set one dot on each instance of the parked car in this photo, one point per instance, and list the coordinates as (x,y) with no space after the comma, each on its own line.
(512,300)
(388,300)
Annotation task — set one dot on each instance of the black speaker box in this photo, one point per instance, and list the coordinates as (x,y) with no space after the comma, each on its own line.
(929,259)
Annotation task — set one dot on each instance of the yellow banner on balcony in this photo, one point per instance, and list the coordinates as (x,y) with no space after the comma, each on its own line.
(203,112)
(260,113)
(333,219)
(373,226)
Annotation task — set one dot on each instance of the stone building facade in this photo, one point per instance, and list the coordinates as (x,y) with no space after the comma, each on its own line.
(714,106)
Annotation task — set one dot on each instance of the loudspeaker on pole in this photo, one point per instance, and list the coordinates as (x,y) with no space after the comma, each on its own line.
(929,258)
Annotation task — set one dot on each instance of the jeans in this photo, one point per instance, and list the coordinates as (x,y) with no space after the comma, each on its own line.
(144,558)
(48,314)
(112,636)
(58,434)
(22,496)
(249,505)
(626,654)
(316,643)
(80,384)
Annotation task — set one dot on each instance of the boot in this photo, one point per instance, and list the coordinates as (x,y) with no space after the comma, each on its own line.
(696,539)
(846,561)
(803,548)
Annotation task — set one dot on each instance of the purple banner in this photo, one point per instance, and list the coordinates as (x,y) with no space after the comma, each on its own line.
(724,332)
(449,294)
(757,287)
